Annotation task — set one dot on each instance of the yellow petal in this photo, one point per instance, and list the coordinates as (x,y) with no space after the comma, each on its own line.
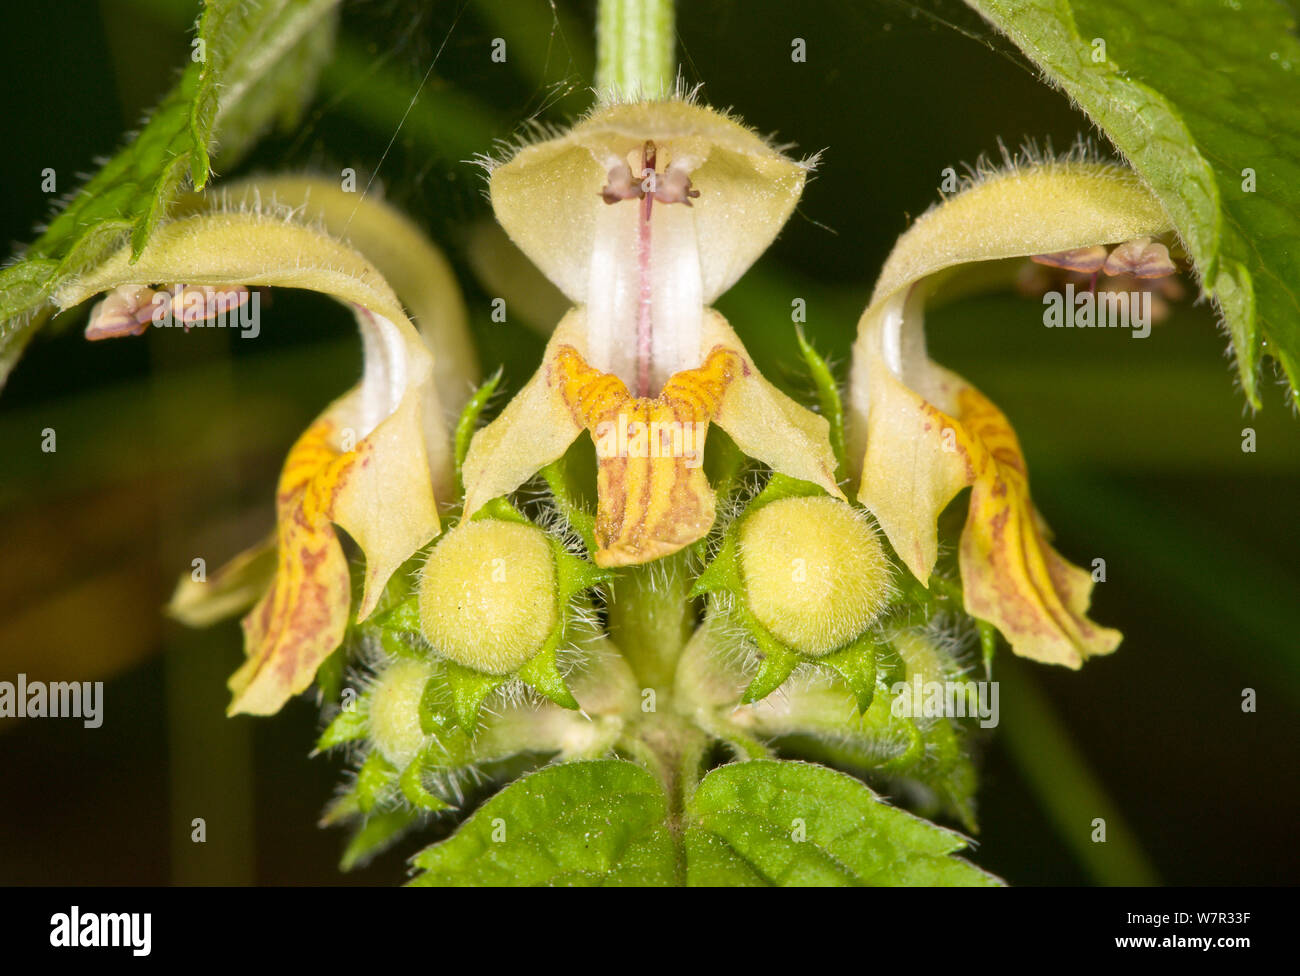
(1026,211)
(765,423)
(233,588)
(1011,576)
(653,499)
(229,249)
(505,272)
(383,498)
(417,271)
(920,433)
(302,618)
(534,429)
(912,467)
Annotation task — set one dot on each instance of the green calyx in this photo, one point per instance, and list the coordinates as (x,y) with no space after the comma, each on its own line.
(854,660)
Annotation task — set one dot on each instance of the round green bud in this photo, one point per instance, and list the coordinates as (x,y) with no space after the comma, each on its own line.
(814,572)
(395,711)
(488,595)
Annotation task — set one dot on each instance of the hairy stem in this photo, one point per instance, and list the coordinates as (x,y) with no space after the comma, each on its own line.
(634,49)
(651,618)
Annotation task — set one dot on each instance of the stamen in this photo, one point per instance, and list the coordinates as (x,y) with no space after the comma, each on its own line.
(1085,260)
(1140,258)
(621,185)
(675,186)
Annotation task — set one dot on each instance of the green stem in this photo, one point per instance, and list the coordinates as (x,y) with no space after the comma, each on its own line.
(650,620)
(634,49)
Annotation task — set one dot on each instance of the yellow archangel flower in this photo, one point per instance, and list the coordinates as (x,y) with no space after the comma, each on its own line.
(642,214)
(378,458)
(921,433)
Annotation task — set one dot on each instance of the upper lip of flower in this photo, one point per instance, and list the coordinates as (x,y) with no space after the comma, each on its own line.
(920,433)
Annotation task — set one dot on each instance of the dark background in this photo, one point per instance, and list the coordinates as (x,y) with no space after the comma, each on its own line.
(169,445)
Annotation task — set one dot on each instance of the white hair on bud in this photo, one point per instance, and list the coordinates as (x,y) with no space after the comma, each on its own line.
(1029,154)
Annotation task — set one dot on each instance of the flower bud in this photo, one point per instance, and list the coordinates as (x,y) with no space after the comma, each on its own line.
(395,711)
(488,595)
(814,572)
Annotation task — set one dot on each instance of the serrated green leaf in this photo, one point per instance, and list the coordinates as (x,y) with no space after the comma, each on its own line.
(796,824)
(589,823)
(1196,98)
(245,45)
(285,67)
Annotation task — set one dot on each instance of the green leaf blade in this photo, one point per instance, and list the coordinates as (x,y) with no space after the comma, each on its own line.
(1196,101)
(598,822)
(791,823)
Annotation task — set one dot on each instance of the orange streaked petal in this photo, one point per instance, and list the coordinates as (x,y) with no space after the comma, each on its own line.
(1011,576)
(653,496)
(653,499)
(920,433)
(380,493)
(302,618)
(918,457)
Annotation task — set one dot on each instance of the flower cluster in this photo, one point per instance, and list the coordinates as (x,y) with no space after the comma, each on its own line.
(641,214)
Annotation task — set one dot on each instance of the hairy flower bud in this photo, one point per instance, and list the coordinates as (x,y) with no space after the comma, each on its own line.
(488,595)
(395,710)
(814,572)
